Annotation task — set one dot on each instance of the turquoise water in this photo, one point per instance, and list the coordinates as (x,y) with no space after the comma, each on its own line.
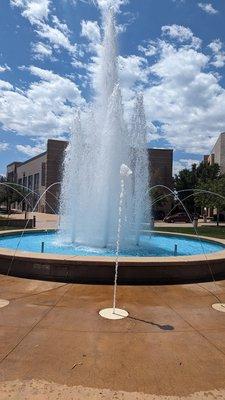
(149,246)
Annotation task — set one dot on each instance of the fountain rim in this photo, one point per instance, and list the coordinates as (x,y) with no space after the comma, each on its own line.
(203,257)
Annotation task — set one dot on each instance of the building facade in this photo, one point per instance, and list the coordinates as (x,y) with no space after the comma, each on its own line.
(217,155)
(161,173)
(39,173)
(45,171)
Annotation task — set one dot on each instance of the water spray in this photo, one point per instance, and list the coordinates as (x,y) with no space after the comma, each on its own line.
(117,313)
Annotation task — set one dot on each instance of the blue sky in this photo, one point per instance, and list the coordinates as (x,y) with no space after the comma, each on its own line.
(171,50)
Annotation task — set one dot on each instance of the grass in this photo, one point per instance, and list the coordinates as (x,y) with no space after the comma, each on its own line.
(210,231)
(8,228)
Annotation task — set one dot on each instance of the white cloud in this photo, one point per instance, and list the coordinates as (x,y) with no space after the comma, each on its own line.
(149,50)
(4,68)
(187,100)
(3,146)
(218,53)
(55,36)
(181,94)
(62,26)
(44,109)
(41,50)
(183,163)
(34,10)
(182,34)
(5,85)
(91,30)
(31,151)
(57,33)
(208,8)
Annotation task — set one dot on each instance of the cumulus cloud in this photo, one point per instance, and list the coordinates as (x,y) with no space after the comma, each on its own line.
(91,30)
(41,50)
(45,109)
(34,10)
(208,8)
(4,85)
(184,96)
(3,146)
(182,34)
(54,31)
(218,51)
(4,68)
(55,37)
(183,163)
(31,151)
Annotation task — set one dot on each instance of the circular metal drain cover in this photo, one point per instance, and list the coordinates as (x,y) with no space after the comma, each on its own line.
(3,303)
(109,314)
(219,307)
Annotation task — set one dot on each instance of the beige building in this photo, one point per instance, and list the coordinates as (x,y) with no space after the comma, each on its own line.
(217,155)
(38,173)
(45,170)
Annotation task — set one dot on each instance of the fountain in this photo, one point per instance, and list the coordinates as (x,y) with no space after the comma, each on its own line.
(100,143)
(98,228)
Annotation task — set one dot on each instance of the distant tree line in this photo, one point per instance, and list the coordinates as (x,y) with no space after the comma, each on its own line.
(201,181)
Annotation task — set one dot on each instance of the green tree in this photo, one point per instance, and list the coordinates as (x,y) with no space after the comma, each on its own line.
(10,193)
(216,197)
(189,179)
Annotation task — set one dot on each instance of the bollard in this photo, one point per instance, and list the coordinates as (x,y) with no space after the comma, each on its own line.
(153,222)
(195,222)
(34,221)
(175,250)
(42,247)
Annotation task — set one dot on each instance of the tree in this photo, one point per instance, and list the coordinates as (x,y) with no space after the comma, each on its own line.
(10,193)
(216,197)
(189,179)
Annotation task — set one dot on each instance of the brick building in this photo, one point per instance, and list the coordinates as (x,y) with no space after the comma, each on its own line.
(44,170)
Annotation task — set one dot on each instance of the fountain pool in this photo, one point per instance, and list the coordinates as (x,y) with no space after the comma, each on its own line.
(155,245)
(153,261)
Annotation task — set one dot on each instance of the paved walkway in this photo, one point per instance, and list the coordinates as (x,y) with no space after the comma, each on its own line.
(54,344)
(44,221)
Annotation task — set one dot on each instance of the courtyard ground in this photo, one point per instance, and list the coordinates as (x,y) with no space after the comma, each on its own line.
(54,344)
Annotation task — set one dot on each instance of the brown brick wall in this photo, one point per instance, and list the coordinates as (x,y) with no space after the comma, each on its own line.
(55,157)
(161,172)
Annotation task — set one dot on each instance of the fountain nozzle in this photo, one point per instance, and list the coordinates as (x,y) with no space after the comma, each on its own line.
(125,170)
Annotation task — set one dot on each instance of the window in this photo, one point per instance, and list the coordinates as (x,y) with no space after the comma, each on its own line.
(36,181)
(43,174)
(30,181)
(24,180)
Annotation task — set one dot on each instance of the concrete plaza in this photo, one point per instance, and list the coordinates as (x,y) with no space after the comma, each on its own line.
(54,344)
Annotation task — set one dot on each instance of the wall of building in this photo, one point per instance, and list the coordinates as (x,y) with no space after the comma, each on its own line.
(218,153)
(49,168)
(12,171)
(161,173)
(30,174)
(55,157)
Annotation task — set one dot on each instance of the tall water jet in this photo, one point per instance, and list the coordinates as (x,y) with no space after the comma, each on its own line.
(100,143)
